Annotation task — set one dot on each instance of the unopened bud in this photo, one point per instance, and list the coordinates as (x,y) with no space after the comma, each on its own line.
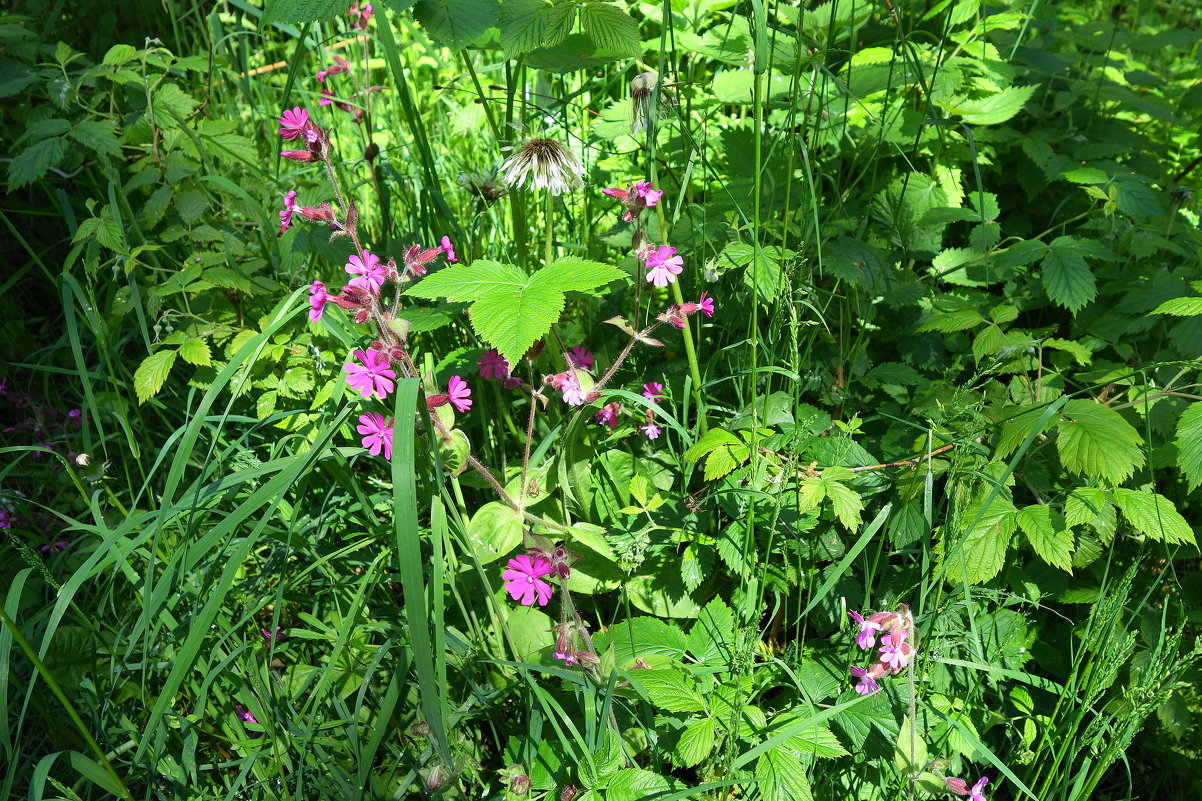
(520,784)
(371,151)
(82,459)
(437,779)
(419,729)
(568,793)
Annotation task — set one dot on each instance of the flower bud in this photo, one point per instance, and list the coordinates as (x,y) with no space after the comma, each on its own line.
(419,729)
(568,793)
(520,784)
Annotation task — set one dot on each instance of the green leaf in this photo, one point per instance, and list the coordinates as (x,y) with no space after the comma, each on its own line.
(782,777)
(611,28)
(118,54)
(1085,505)
(1048,535)
(997,108)
(494,531)
(172,105)
(523,25)
(98,136)
(510,309)
(1180,307)
(845,501)
(32,163)
(669,690)
(1066,277)
(714,438)
(456,23)
(910,751)
(560,22)
(1189,444)
(819,741)
(635,784)
(152,373)
(301,10)
(981,554)
(952,321)
(1154,516)
(1095,440)
(696,742)
(196,351)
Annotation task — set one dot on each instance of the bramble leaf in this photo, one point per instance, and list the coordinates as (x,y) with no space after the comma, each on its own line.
(782,777)
(152,373)
(1189,445)
(1046,531)
(1066,277)
(1095,440)
(695,743)
(1180,307)
(1154,516)
(455,24)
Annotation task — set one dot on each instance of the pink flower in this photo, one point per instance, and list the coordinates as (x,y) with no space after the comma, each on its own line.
(318,298)
(867,685)
(650,196)
(663,266)
(653,391)
(287,211)
(651,430)
(523,580)
(58,546)
(513,382)
(447,248)
(377,434)
(894,651)
(6,519)
(569,658)
(635,198)
(580,358)
(416,258)
(362,15)
(340,66)
(573,395)
(493,365)
(293,123)
(327,97)
(243,714)
(608,416)
(299,155)
(977,794)
(866,637)
(369,272)
(706,304)
(267,635)
(374,376)
(459,393)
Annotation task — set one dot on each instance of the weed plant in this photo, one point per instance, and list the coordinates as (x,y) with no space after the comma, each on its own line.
(588,400)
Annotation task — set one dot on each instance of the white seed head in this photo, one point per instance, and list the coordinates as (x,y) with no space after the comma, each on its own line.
(544,164)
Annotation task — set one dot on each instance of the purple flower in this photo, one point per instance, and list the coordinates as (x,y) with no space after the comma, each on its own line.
(459,394)
(243,714)
(573,395)
(375,375)
(293,123)
(867,685)
(663,265)
(6,519)
(569,658)
(977,794)
(653,391)
(581,358)
(523,579)
(368,271)
(895,654)
(318,297)
(866,638)
(287,212)
(493,365)
(446,247)
(650,196)
(58,546)
(608,416)
(377,434)
(706,304)
(651,430)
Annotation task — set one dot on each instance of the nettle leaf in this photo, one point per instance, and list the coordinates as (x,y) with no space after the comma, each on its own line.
(997,108)
(301,10)
(782,777)
(981,554)
(1095,440)
(1154,516)
(456,23)
(611,28)
(1048,535)
(511,310)
(696,742)
(523,25)
(1189,444)
(152,374)
(1180,307)
(1066,277)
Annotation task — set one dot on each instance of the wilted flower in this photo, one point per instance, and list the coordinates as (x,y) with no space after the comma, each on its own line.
(608,416)
(57,546)
(340,66)
(493,365)
(523,579)
(483,185)
(362,15)
(544,164)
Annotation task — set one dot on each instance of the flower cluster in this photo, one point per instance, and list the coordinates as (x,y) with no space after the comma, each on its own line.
(495,366)
(635,198)
(894,653)
(295,126)
(610,414)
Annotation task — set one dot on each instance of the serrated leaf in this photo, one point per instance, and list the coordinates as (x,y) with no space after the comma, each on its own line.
(576,275)
(635,784)
(118,54)
(782,777)
(196,351)
(1095,440)
(1081,354)
(724,459)
(98,136)
(301,10)
(997,108)
(712,636)
(514,322)
(172,105)
(714,438)
(696,742)
(1084,505)
(819,741)
(1067,279)
(456,23)
(152,373)
(952,321)
(1048,535)
(523,25)
(1180,307)
(265,404)
(1189,444)
(846,502)
(611,28)
(669,690)
(981,553)
(810,493)
(559,23)
(32,163)
(1154,516)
